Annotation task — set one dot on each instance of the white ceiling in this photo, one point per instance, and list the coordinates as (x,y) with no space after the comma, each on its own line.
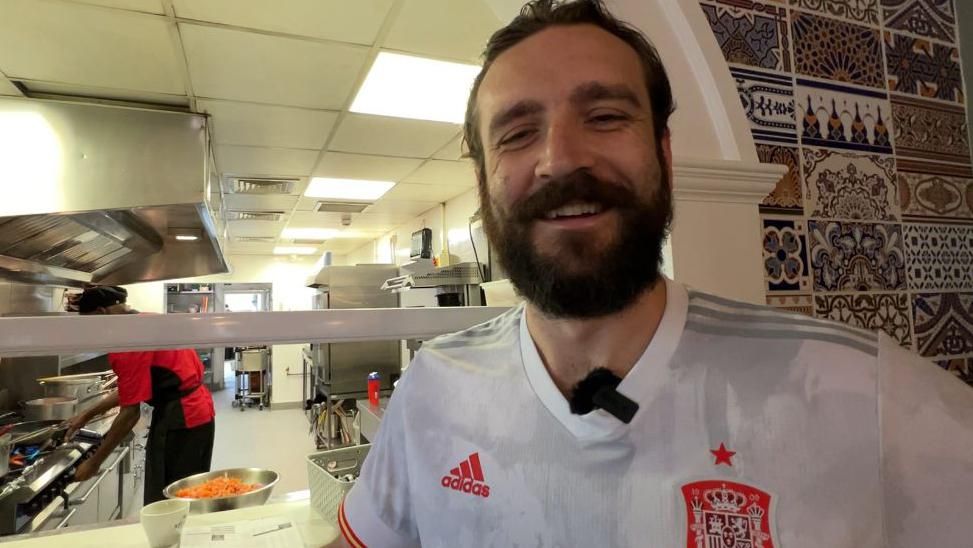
(276,79)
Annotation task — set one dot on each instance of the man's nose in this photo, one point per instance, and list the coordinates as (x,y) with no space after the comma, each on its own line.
(565,151)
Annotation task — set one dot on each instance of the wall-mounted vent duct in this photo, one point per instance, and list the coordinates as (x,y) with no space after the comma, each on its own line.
(100,209)
(341,207)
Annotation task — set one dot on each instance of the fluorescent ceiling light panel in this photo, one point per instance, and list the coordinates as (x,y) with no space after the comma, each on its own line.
(295,250)
(186,238)
(309,233)
(415,87)
(347,189)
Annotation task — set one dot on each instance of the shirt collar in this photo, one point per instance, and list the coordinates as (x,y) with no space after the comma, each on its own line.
(640,384)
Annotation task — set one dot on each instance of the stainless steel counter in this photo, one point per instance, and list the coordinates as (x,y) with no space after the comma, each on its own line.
(45,498)
(370,417)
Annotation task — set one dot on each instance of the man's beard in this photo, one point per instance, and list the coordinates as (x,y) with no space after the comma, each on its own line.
(610,279)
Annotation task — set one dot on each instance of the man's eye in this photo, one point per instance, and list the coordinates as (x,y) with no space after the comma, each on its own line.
(606,118)
(517,137)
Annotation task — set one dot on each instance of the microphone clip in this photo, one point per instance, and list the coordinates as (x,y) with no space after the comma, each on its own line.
(598,390)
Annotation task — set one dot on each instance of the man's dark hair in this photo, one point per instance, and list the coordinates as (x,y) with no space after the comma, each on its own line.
(96,297)
(539,15)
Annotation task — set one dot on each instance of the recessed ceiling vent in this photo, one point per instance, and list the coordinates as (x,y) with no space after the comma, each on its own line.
(261,186)
(255,239)
(238,215)
(341,207)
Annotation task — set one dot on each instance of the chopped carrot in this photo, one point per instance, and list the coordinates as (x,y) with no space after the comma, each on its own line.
(217,487)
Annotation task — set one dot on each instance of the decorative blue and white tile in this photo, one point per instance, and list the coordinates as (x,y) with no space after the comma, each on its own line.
(785,255)
(961,367)
(938,192)
(856,11)
(787,196)
(836,50)
(930,130)
(929,18)
(836,116)
(887,312)
(799,304)
(944,323)
(939,257)
(768,102)
(856,256)
(751,33)
(850,186)
(918,66)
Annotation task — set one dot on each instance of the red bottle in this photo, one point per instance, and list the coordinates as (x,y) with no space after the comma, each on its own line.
(374,384)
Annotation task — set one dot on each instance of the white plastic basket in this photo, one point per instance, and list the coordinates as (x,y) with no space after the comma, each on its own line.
(324,471)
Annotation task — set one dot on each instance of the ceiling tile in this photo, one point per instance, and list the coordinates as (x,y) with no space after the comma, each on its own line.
(246,66)
(306,204)
(366,134)
(340,20)
(401,207)
(147,6)
(443,172)
(250,202)
(265,125)
(80,44)
(452,151)
(443,28)
(378,221)
(250,248)
(424,193)
(363,166)
(278,162)
(255,229)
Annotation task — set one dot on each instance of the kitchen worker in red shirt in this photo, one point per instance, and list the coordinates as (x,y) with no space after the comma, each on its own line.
(171,381)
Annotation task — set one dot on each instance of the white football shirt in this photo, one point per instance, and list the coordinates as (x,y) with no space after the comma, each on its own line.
(756,429)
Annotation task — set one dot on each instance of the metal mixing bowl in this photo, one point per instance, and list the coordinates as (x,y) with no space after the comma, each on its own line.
(267,478)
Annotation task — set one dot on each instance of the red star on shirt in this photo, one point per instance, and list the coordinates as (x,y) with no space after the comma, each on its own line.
(723,456)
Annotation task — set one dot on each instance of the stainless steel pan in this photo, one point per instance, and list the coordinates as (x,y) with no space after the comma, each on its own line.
(37,432)
(50,408)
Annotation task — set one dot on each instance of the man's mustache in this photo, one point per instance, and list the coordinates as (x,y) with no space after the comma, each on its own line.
(579,186)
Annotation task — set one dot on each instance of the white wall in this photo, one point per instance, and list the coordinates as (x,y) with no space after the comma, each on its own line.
(448,220)
(363,255)
(288,277)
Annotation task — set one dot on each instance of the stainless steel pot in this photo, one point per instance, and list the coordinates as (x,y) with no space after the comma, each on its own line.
(78,389)
(76,386)
(50,408)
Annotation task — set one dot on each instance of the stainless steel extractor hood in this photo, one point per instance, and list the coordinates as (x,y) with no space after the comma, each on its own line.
(105,194)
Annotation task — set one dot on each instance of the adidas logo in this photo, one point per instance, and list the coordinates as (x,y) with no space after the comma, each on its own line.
(467,478)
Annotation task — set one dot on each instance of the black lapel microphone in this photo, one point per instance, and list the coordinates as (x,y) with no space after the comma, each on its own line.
(598,390)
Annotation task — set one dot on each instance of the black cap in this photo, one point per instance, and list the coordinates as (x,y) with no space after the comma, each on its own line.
(101,296)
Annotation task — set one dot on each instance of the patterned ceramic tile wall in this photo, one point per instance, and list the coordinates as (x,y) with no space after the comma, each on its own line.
(864,101)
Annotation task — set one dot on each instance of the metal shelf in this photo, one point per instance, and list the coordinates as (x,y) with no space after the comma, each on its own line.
(67,360)
(56,335)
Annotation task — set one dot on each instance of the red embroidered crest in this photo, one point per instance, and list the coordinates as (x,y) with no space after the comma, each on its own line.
(725,514)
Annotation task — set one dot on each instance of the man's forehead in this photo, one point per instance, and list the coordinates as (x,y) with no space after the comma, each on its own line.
(555,61)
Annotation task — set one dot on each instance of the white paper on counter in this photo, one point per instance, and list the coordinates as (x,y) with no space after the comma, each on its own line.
(262,533)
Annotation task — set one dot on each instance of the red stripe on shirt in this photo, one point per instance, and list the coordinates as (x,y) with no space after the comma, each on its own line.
(477,470)
(346,531)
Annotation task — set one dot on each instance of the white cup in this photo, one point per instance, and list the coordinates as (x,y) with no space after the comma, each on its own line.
(163,521)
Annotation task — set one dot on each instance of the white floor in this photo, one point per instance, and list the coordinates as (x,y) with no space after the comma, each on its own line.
(276,439)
